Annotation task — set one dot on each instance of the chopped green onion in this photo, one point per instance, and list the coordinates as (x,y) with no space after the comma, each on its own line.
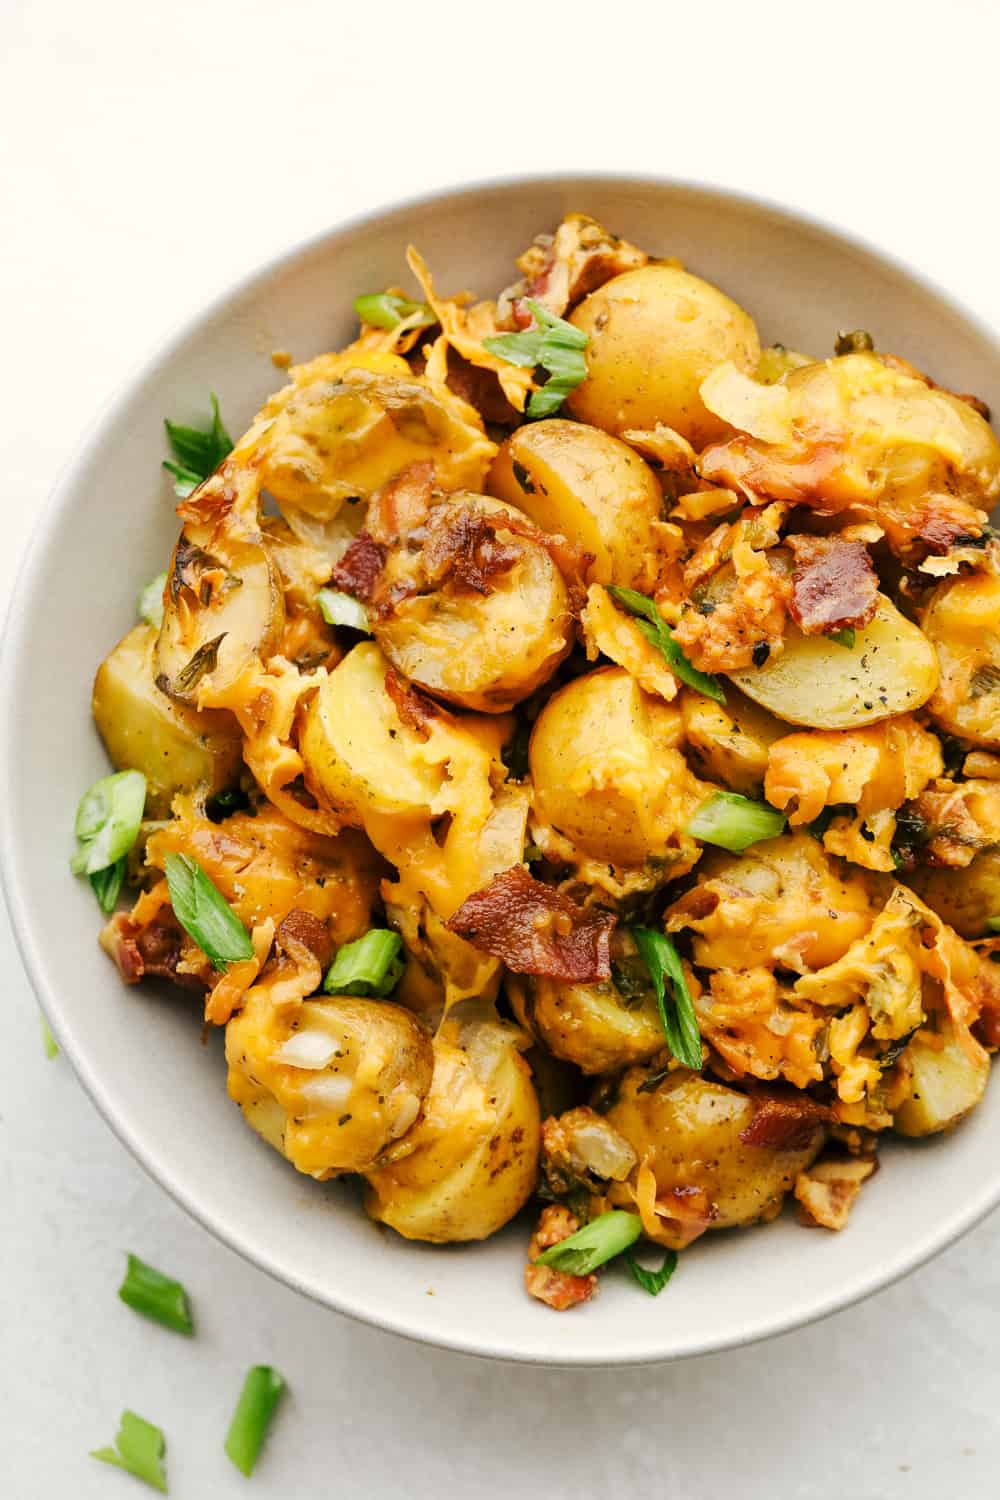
(261,1393)
(844,637)
(156,1296)
(734,822)
(386,310)
(593,1245)
(107,821)
(150,605)
(556,346)
(107,884)
(48,1040)
(204,913)
(993,923)
(198,451)
(341,609)
(655,628)
(652,1282)
(680,1024)
(140,1448)
(532,854)
(370,966)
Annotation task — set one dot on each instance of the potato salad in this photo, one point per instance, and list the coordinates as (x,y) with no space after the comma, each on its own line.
(563,755)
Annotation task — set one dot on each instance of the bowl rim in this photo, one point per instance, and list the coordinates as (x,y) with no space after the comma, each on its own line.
(936,1239)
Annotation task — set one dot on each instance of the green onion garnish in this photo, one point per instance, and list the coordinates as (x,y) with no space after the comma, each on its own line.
(993,923)
(386,310)
(556,346)
(655,628)
(140,1448)
(653,1282)
(680,1024)
(48,1040)
(261,1392)
(593,1245)
(204,913)
(341,609)
(107,821)
(844,637)
(156,1296)
(370,966)
(107,884)
(150,603)
(734,822)
(198,451)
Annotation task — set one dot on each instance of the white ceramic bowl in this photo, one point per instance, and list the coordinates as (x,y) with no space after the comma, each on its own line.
(138,1051)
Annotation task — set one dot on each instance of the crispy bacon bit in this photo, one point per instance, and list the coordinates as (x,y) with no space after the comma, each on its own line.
(571,560)
(153,950)
(834,584)
(940,525)
(415,709)
(465,551)
(481,389)
(559,270)
(359,569)
(302,929)
(535,929)
(401,505)
(828,1190)
(785,1121)
(557,1289)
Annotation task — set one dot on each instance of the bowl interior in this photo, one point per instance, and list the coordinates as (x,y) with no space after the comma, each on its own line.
(139,1051)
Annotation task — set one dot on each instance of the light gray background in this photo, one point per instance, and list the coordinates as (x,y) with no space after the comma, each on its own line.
(148,155)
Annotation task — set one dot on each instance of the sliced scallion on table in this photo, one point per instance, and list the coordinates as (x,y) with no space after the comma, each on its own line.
(150,602)
(370,966)
(197,451)
(733,822)
(204,913)
(139,1449)
(554,346)
(680,1024)
(388,310)
(593,1245)
(156,1296)
(262,1389)
(107,825)
(341,609)
(655,628)
(653,1281)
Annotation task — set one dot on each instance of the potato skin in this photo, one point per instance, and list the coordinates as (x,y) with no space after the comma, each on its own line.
(590,1024)
(608,774)
(574,479)
(687,1129)
(962,622)
(946,1082)
(729,742)
(471,1161)
(655,334)
(965,899)
(178,749)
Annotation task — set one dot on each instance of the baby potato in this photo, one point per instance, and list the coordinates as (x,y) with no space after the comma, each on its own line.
(965,899)
(890,669)
(471,1161)
(687,1131)
(595,1026)
(962,622)
(178,749)
(729,742)
(331,1084)
(947,1079)
(478,638)
(608,773)
(592,488)
(783,903)
(655,333)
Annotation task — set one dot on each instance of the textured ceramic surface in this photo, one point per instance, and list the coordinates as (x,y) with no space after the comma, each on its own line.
(109,528)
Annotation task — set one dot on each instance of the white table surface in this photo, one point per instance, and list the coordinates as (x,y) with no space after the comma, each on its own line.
(151,153)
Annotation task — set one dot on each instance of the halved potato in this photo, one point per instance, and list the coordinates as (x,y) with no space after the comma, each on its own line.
(890,669)
(962,622)
(178,749)
(965,899)
(948,1079)
(729,742)
(594,1026)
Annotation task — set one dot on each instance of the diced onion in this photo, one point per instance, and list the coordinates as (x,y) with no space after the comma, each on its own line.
(308,1049)
(330,1091)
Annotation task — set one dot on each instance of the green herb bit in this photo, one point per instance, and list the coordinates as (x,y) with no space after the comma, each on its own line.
(845,637)
(680,1024)
(107,884)
(993,923)
(859,341)
(387,310)
(655,628)
(48,1040)
(204,913)
(156,1296)
(370,966)
(555,346)
(341,609)
(139,1449)
(653,1281)
(262,1389)
(593,1245)
(198,451)
(107,821)
(150,603)
(734,822)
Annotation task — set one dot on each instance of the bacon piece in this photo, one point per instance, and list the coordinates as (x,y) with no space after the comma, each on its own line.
(359,569)
(834,584)
(414,708)
(465,552)
(302,929)
(557,1289)
(785,1122)
(401,505)
(535,929)
(826,1192)
(481,389)
(151,950)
